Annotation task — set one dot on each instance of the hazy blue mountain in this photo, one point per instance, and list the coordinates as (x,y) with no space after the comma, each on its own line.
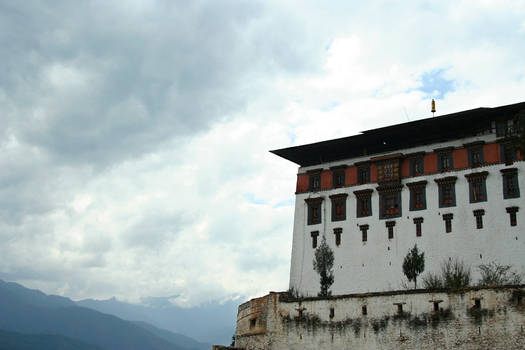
(212,322)
(30,311)
(174,338)
(20,341)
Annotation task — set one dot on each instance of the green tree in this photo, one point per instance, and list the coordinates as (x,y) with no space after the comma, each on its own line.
(414,264)
(323,264)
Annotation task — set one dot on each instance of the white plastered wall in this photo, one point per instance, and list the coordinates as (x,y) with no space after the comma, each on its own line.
(375,265)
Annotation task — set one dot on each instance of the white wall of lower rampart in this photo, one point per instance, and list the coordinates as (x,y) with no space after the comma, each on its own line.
(376,265)
(497,322)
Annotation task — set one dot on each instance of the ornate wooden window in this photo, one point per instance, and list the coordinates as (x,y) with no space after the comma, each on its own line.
(475,154)
(418,222)
(510,183)
(364,204)
(512,214)
(363,174)
(389,201)
(314,182)
(478,214)
(448,222)
(418,199)
(447,193)
(338,176)
(388,171)
(477,188)
(445,161)
(417,166)
(314,210)
(338,206)
(508,153)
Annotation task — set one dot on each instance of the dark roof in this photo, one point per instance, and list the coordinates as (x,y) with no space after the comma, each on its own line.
(400,136)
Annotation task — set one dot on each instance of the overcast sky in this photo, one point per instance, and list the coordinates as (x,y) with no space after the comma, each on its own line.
(135,134)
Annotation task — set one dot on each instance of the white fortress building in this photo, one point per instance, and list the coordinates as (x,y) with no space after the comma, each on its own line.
(450,184)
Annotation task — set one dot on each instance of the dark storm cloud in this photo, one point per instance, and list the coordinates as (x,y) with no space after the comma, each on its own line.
(95,82)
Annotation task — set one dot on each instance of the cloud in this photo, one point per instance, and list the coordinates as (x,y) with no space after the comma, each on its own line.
(135,135)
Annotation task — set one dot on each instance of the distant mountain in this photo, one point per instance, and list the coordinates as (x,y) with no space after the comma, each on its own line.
(24,310)
(174,338)
(19,341)
(213,322)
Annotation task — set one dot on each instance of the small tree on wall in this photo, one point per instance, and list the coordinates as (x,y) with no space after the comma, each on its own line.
(323,263)
(414,264)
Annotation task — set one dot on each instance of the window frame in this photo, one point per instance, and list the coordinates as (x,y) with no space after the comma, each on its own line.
(314,180)
(508,153)
(363,174)
(510,175)
(338,176)
(445,161)
(338,200)
(390,194)
(512,215)
(478,214)
(312,205)
(338,231)
(363,202)
(413,165)
(414,189)
(447,185)
(448,222)
(364,232)
(477,187)
(418,221)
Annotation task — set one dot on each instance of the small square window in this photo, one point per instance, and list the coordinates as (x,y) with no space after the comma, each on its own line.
(364,232)
(390,228)
(314,235)
(478,214)
(512,214)
(418,222)
(337,232)
(448,222)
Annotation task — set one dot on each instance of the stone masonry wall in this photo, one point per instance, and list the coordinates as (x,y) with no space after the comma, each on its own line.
(473,318)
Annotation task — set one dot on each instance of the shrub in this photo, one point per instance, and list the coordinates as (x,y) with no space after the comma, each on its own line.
(432,281)
(455,273)
(493,274)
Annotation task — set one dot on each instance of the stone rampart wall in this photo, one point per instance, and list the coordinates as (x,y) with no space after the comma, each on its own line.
(474,318)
